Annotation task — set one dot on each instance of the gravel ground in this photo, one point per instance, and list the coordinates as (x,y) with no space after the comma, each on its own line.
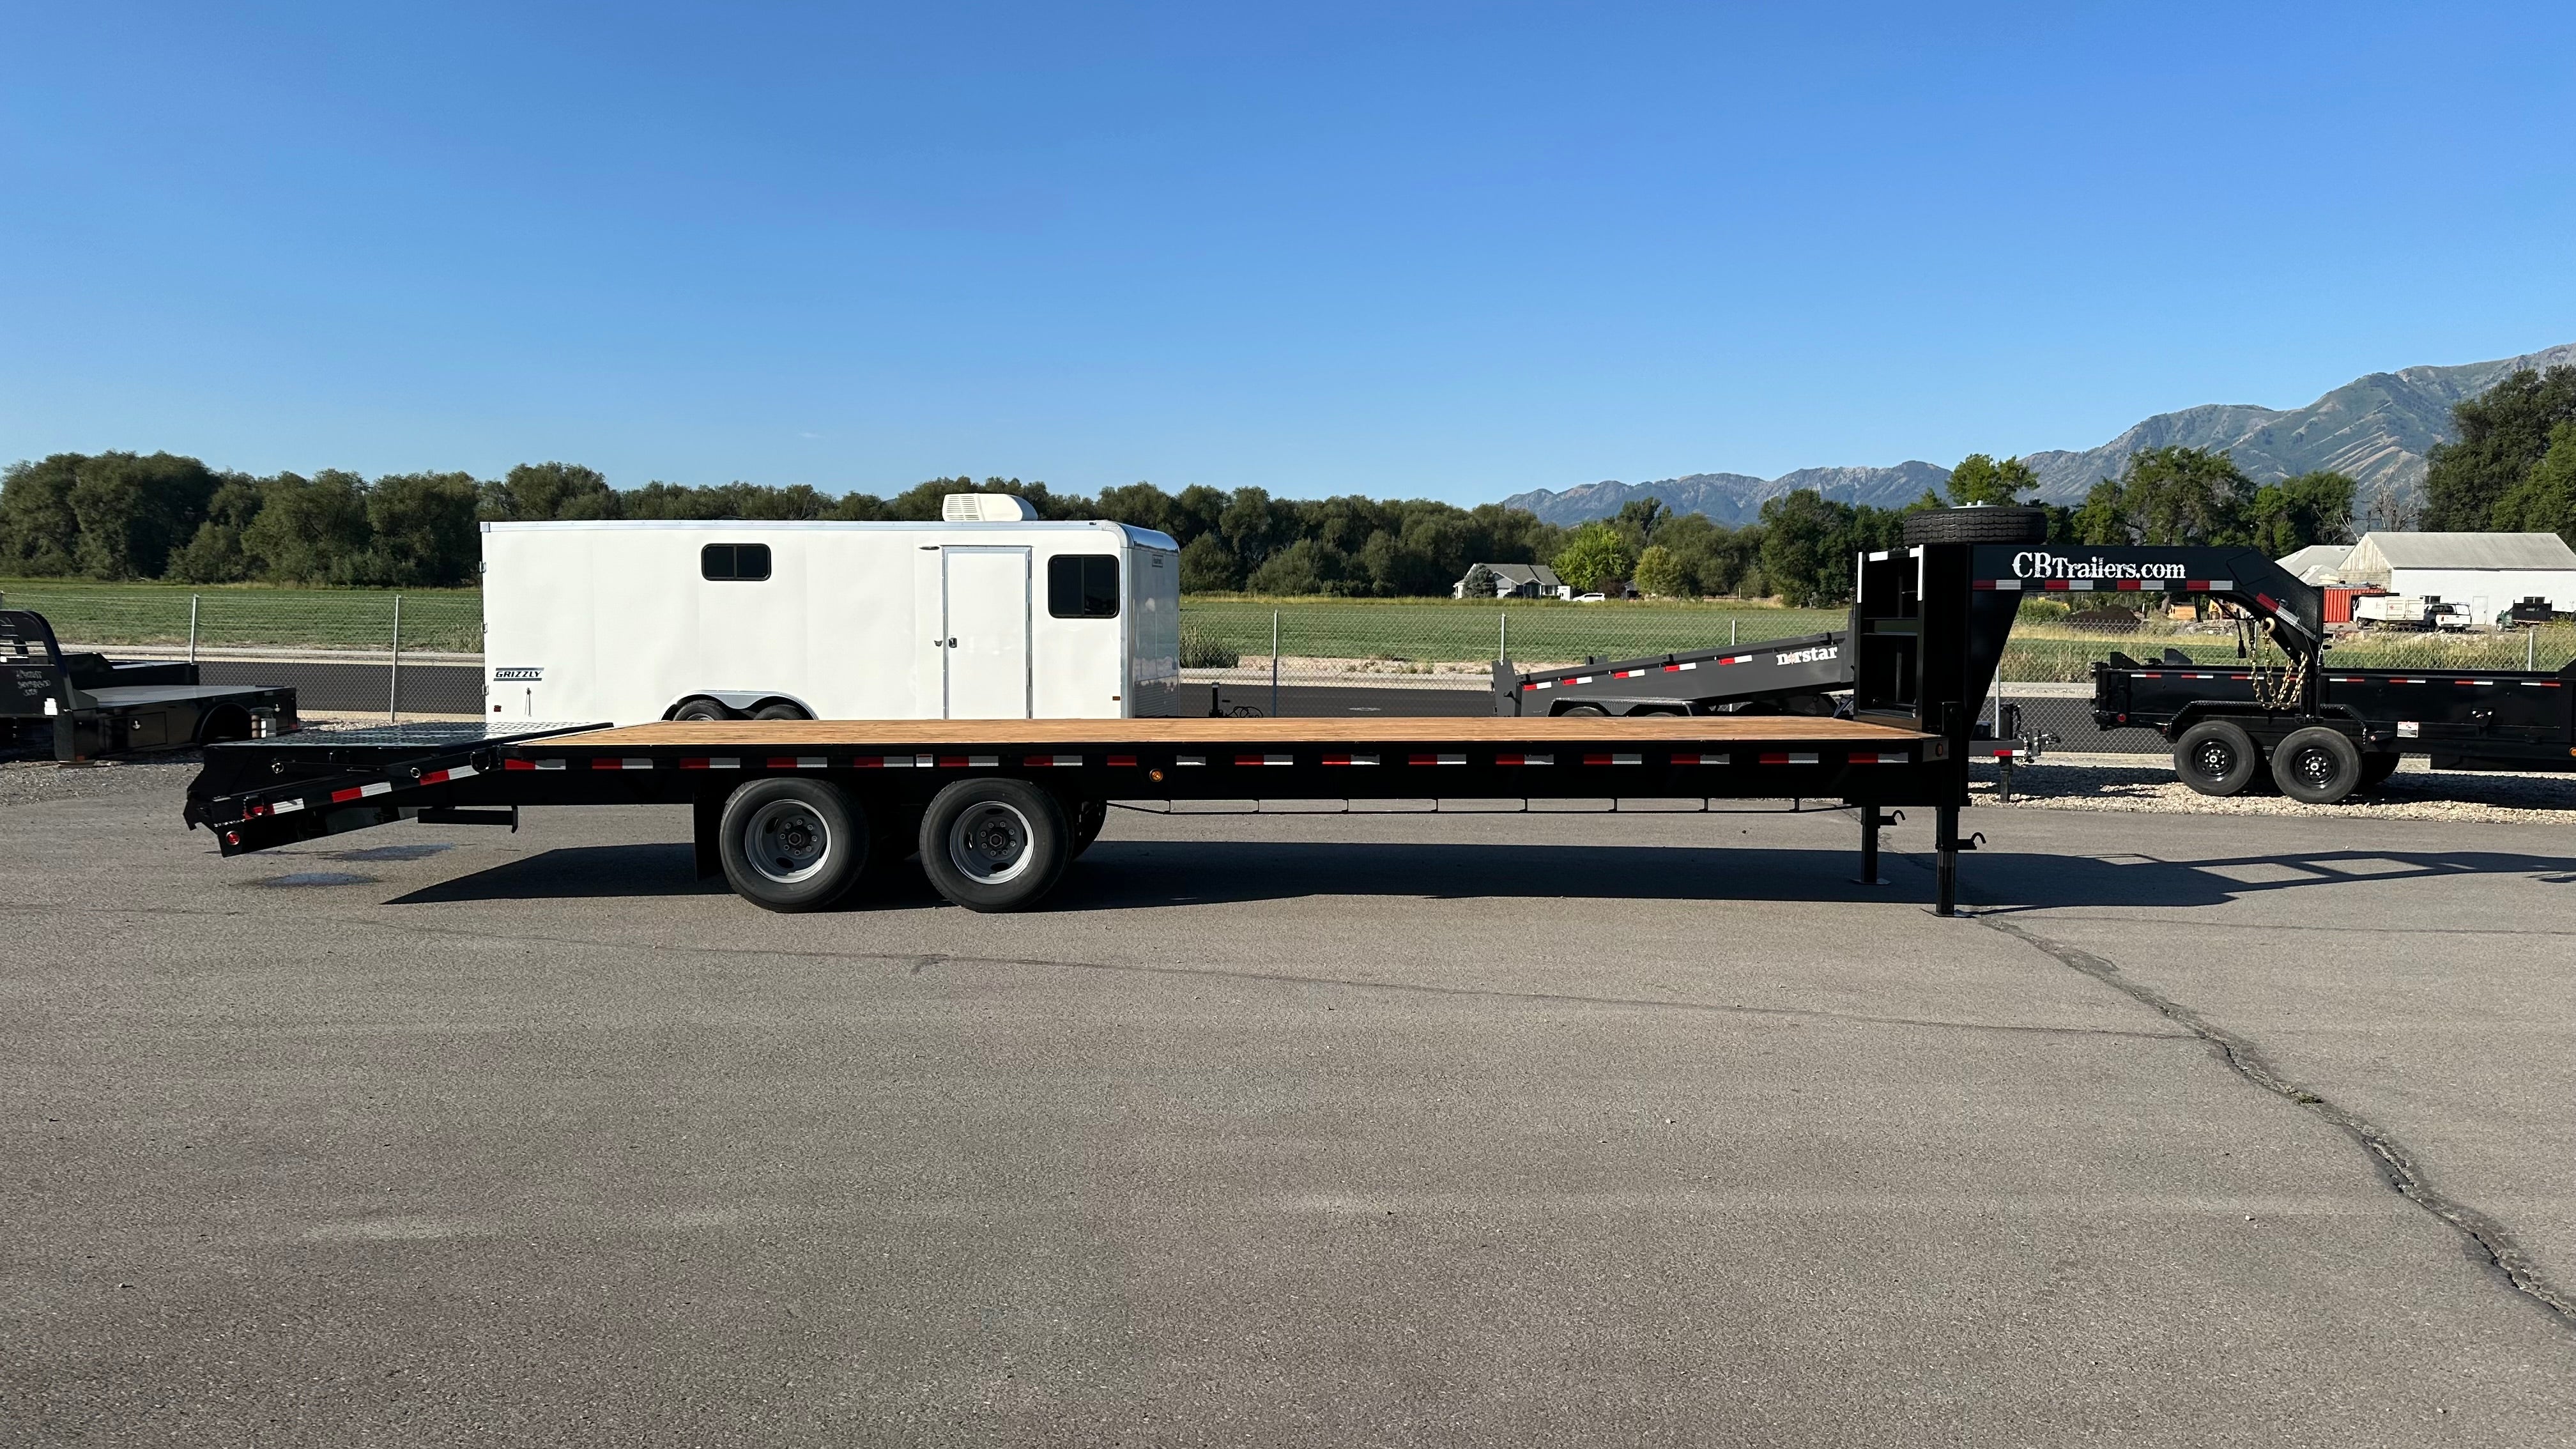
(2102,782)
(36,782)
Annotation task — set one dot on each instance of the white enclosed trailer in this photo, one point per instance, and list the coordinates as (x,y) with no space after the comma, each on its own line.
(1007,619)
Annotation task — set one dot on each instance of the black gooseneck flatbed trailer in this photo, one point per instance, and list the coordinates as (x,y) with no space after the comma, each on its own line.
(791,812)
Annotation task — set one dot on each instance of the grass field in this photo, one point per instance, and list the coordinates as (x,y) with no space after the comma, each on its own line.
(1216,628)
(236,615)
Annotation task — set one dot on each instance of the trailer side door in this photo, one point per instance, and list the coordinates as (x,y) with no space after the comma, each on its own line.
(985,602)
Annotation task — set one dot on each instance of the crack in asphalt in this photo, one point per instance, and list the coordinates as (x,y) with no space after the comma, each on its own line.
(2396,1162)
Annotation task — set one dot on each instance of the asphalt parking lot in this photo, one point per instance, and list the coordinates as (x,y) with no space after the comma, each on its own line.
(1490,1129)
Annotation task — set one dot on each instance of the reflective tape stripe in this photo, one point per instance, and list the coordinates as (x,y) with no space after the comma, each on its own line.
(1350,759)
(632,764)
(518,764)
(1614,759)
(441,777)
(1189,759)
(711,764)
(1524,759)
(891,762)
(380,787)
(285,807)
(1703,759)
(1677,668)
(969,762)
(1265,759)
(1871,757)
(1436,759)
(1795,757)
(1122,762)
(1057,762)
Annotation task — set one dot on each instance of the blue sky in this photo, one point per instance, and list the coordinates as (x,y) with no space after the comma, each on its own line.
(1413,250)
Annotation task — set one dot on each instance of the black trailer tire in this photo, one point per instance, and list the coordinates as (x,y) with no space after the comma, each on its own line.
(703,709)
(792,845)
(994,844)
(2317,765)
(1984,524)
(2217,757)
(2376,768)
(1086,818)
(780,709)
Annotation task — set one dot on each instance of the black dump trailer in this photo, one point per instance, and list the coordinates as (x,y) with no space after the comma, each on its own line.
(82,706)
(2231,730)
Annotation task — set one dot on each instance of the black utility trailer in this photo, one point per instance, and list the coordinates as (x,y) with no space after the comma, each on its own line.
(81,706)
(1777,676)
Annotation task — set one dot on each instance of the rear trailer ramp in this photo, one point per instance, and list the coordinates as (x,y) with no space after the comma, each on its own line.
(997,807)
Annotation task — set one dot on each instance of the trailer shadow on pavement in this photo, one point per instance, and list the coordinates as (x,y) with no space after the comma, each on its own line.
(1139,875)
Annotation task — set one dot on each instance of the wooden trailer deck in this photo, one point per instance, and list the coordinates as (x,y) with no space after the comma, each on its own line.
(1042,733)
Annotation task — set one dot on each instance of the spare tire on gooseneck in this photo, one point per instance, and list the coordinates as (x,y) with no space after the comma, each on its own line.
(1978,523)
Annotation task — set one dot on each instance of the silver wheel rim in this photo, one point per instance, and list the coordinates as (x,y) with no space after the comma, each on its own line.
(989,843)
(786,842)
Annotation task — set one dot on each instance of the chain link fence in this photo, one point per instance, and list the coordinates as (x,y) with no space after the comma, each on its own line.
(357,651)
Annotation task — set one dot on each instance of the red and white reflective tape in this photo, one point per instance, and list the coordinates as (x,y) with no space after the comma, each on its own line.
(1737,659)
(1614,759)
(282,807)
(516,764)
(2146,586)
(1703,759)
(710,763)
(453,772)
(891,762)
(1435,759)
(1350,759)
(1793,757)
(969,762)
(1541,684)
(623,764)
(1677,668)
(379,787)
(1122,762)
(1265,759)
(799,762)
(1189,759)
(1056,762)
(1874,757)
(1625,673)
(1524,759)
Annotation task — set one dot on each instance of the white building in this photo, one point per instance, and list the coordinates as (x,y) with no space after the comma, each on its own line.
(1518,581)
(2487,572)
(2318,563)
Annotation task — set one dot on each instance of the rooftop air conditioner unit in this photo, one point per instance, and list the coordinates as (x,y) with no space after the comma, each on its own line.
(986,508)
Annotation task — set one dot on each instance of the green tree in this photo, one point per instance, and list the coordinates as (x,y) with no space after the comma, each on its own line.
(2545,500)
(1641,518)
(536,492)
(1659,573)
(39,532)
(2293,513)
(1595,556)
(1479,583)
(2184,496)
(423,529)
(134,510)
(215,555)
(309,530)
(2504,433)
(2104,517)
(1209,567)
(1981,479)
(1807,548)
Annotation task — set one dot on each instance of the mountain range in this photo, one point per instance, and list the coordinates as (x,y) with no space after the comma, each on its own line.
(2377,429)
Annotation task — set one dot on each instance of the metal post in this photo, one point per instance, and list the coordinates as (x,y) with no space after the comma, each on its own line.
(393,672)
(2531,647)
(1869,823)
(1945,843)
(1730,633)
(1274,664)
(192,628)
(1502,634)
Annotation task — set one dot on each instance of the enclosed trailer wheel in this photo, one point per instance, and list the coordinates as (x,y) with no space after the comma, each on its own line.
(993,844)
(780,709)
(702,709)
(792,845)
(2317,765)
(2217,757)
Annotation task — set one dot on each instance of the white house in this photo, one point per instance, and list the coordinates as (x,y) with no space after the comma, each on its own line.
(1518,581)
(2488,572)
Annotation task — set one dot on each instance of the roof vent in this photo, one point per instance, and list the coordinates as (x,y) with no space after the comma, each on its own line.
(986,508)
